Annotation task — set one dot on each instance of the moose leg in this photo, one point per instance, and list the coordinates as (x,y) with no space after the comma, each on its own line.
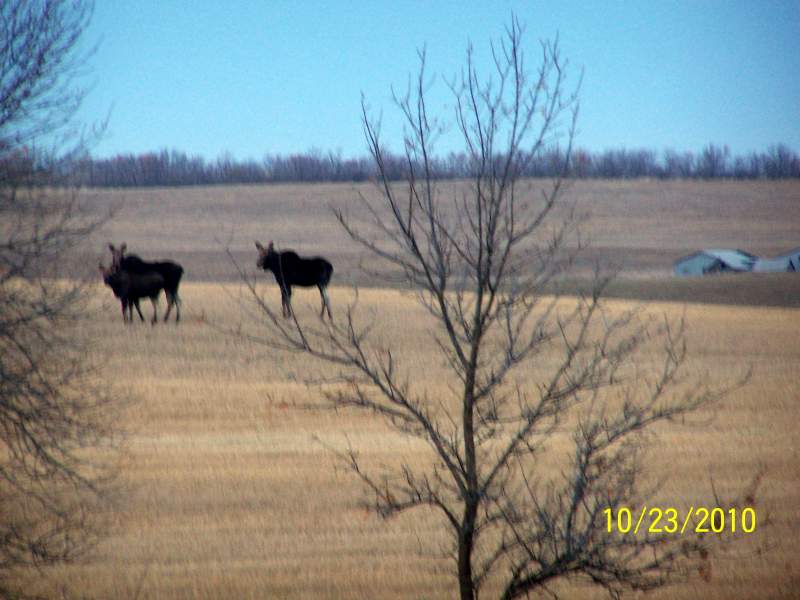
(170,302)
(177,302)
(138,310)
(173,300)
(286,301)
(155,310)
(326,303)
(125,310)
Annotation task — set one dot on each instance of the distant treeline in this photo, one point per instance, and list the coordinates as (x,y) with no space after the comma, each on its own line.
(175,168)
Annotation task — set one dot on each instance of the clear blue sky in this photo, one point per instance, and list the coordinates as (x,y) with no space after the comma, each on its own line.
(257,77)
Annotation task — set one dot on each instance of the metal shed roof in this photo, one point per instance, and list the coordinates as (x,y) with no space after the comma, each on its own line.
(785,262)
(737,260)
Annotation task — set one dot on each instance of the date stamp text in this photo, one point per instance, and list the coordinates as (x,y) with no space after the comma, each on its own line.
(655,520)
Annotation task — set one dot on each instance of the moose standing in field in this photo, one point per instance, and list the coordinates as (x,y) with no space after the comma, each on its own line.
(170,272)
(132,287)
(290,269)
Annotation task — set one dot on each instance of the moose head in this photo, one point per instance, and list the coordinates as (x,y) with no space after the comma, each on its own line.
(264,254)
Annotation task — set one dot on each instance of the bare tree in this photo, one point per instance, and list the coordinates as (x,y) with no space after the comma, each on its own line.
(55,422)
(713,162)
(524,366)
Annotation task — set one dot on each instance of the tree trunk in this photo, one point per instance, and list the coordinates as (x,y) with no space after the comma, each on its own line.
(466,534)
(465,539)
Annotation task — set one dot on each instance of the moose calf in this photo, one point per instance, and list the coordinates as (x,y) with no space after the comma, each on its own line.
(131,287)
(171,273)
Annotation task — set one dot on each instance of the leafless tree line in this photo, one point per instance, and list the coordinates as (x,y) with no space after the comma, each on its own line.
(175,168)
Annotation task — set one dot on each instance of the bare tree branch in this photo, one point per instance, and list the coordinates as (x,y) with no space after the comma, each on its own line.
(525,367)
(57,433)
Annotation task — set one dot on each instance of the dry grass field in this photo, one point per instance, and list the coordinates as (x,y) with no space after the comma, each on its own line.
(638,228)
(229,489)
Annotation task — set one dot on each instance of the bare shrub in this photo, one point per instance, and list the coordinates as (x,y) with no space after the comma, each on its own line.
(56,420)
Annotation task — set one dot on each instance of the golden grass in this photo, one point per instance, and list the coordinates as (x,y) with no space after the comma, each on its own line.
(229,495)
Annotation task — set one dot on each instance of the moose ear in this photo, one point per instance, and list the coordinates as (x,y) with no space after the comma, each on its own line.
(123,247)
(111,246)
(260,247)
(271,245)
